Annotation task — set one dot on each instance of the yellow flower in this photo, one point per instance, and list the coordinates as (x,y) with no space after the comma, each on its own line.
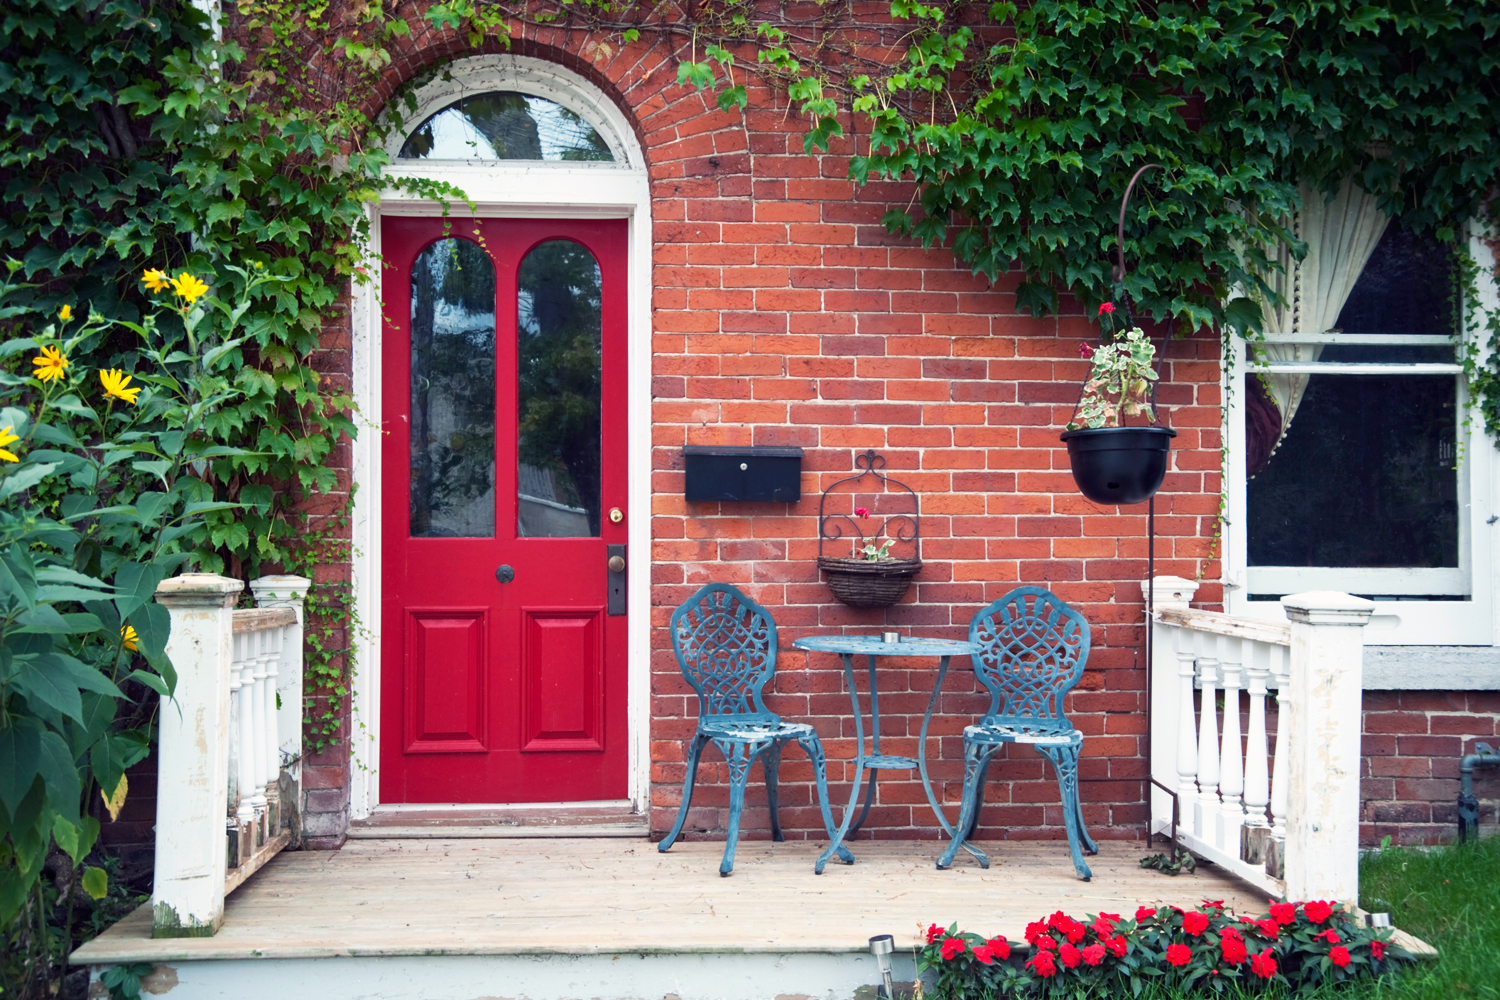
(50,363)
(188,287)
(128,638)
(65,313)
(7,437)
(115,382)
(156,280)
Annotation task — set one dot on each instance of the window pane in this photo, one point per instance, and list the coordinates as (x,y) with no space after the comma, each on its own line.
(1364,477)
(560,328)
(1407,287)
(504,125)
(453,392)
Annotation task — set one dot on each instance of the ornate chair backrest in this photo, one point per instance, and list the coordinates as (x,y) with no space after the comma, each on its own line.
(726,646)
(1033,648)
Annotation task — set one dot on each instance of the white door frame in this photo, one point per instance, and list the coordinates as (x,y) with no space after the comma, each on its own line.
(507,189)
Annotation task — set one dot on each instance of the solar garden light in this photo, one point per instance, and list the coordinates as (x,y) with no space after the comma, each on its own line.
(881,946)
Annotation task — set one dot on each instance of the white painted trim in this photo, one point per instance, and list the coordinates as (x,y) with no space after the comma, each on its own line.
(1395,623)
(513,189)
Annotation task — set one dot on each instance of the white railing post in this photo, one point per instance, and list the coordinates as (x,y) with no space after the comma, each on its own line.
(287,592)
(1283,684)
(1232,771)
(187,894)
(1169,754)
(1322,715)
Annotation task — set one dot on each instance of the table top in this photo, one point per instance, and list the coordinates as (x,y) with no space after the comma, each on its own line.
(872,645)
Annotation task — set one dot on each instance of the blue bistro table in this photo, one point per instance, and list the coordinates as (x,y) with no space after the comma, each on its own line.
(871,646)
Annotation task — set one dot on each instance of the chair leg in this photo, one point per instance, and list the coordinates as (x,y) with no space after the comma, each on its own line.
(739,756)
(770,761)
(695,751)
(984,777)
(814,748)
(1065,762)
(976,761)
(1083,834)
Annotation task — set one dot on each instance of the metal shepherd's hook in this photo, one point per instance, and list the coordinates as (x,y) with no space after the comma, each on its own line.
(1120,235)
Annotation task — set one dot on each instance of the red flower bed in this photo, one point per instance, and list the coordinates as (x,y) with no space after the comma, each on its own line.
(1296,945)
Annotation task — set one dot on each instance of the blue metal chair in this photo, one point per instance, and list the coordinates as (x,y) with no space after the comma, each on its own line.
(1033,648)
(726,647)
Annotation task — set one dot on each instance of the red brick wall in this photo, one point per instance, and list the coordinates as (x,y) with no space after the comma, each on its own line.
(784,314)
(1412,743)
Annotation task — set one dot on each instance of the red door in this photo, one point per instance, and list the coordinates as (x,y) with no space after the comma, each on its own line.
(503,655)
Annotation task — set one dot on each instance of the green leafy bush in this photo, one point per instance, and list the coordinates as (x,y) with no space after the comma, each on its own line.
(101,493)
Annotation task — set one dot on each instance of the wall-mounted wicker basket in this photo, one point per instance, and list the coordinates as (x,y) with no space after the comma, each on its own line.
(867,583)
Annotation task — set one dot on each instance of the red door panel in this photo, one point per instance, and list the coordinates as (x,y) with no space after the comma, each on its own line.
(503,445)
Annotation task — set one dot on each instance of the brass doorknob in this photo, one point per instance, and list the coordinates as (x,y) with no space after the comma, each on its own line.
(616,515)
(617,564)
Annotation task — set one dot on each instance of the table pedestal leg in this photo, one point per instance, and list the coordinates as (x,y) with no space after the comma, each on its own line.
(859,768)
(932,801)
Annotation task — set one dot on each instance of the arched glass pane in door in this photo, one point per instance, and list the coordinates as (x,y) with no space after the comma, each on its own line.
(505,125)
(560,330)
(452,392)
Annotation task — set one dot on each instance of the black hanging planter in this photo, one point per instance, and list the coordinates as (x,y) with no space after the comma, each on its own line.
(1119,465)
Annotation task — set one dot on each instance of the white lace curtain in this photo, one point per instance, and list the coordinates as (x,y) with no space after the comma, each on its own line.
(1341,235)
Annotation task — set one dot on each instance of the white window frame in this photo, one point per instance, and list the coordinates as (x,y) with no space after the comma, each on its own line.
(509,189)
(1471,622)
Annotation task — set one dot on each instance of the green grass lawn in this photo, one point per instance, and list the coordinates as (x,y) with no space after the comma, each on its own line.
(1450,898)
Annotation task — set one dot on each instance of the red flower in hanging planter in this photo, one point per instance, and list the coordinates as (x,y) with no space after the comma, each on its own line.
(861,512)
(1084,350)
(1106,308)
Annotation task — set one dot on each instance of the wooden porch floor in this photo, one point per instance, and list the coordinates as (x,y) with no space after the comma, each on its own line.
(498,897)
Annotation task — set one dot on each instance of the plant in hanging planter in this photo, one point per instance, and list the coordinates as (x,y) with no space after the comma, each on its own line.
(871,576)
(1113,463)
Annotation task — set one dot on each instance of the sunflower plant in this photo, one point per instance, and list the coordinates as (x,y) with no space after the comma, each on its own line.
(101,497)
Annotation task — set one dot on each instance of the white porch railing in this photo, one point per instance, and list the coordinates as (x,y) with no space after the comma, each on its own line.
(1280,812)
(230,748)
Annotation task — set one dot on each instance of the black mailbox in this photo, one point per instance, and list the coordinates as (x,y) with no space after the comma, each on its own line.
(763,474)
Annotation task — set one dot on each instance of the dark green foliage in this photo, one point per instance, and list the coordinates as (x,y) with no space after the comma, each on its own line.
(1024,126)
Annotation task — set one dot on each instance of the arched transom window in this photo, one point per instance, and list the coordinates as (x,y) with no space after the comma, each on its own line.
(506,125)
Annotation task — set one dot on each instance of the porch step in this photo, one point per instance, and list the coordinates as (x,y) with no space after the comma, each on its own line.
(501,822)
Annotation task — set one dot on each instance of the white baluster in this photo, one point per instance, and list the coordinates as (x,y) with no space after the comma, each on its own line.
(271,639)
(1187,738)
(1280,679)
(1208,742)
(237,644)
(1231,767)
(1257,774)
(245,733)
(257,665)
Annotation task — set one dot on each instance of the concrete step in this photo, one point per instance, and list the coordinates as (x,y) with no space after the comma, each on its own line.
(501,822)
